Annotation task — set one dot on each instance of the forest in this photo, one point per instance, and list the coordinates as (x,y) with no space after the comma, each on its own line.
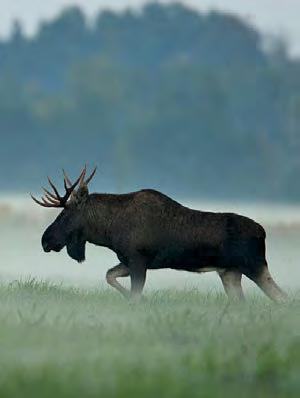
(197,105)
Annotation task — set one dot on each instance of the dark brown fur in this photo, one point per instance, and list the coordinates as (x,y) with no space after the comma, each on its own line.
(149,230)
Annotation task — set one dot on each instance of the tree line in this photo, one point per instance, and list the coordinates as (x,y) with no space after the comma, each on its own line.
(194,104)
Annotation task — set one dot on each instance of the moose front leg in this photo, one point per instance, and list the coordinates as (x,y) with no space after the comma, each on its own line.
(138,276)
(118,271)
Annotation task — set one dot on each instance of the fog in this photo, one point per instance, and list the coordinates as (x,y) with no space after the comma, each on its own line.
(22,224)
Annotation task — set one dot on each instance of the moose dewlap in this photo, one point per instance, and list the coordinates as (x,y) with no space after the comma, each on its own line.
(149,230)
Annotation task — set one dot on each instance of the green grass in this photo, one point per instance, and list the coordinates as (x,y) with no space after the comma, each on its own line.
(63,342)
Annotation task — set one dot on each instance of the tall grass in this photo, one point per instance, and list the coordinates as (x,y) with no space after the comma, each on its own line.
(63,342)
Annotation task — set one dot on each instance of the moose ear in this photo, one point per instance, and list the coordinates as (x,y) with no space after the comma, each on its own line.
(81,194)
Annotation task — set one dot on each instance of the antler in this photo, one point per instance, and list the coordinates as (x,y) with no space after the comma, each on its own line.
(55,200)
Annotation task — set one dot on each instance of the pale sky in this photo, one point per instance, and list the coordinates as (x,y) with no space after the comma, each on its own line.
(279,17)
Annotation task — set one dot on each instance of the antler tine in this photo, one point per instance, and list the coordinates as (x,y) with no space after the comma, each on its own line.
(49,193)
(44,203)
(54,188)
(71,188)
(67,180)
(66,185)
(79,179)
(82,176)
(53,201)
(91,176)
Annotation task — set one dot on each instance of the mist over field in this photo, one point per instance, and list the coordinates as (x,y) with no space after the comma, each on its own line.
(22,223)
(65,333)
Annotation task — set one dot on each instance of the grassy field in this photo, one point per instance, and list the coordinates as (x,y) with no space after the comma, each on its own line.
(62,342)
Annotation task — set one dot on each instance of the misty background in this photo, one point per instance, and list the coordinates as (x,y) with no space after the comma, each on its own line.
(204,106)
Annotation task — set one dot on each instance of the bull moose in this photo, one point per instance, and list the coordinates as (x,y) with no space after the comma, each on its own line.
(149,230)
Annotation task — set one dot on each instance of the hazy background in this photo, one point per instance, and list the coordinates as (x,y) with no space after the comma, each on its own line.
(198,99)
(270,16)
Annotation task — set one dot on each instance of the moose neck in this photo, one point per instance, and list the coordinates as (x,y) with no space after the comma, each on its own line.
(102,210)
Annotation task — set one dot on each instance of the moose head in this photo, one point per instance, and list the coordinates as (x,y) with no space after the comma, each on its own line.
(68,229)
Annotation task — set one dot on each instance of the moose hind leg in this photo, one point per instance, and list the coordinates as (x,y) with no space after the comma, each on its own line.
(118,271)
(232,282)
(267,284)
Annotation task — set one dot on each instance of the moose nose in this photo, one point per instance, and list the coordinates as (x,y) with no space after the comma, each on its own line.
(45,244)
(46,247)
